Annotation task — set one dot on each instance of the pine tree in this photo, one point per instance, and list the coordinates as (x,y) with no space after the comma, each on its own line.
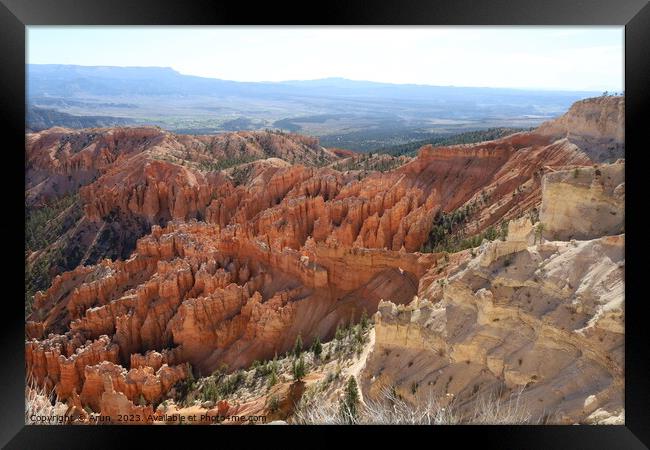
(273,371)
(539,230)
(349,405)
(504,231)
(273,378)
(358,334)
(365,323)
(190,374)
(299,369)
(297,348)
(317,347)
(339,333)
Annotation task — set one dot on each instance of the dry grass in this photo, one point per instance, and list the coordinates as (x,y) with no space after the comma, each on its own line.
(38,403)
(314,412)
(492,409)
(391,409)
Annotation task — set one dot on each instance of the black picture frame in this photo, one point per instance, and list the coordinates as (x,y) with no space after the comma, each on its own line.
(15,15)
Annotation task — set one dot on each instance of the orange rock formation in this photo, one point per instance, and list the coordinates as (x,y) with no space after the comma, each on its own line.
(232,265)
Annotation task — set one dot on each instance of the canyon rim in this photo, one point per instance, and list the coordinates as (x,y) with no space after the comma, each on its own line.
(295,274)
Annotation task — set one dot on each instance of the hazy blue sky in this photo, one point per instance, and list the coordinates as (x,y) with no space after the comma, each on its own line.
(576,58)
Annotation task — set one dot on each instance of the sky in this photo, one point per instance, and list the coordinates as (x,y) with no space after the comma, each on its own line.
(560,58)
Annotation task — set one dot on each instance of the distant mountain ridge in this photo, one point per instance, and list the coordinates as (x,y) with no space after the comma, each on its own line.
(352,114)
(55,79)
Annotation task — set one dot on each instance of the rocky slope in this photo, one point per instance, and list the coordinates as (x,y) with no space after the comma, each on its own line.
(218,259)
(544,319)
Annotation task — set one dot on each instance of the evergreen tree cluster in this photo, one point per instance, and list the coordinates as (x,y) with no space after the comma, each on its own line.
(226,163)
(468,137)
(447,234)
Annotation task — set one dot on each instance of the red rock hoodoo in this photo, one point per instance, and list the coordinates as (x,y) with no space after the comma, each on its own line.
(185,261)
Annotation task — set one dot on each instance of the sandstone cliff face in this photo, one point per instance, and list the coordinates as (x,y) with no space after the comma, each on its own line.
(520,326)
(584,203)
(601,117)
(597,125)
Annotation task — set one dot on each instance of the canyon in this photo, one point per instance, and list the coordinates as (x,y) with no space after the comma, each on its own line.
(182,256)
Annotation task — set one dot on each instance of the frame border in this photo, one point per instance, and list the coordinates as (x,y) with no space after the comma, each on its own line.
(15,15)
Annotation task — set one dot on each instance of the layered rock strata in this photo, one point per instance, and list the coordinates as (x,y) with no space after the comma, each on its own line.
(542,320)
(231,266)
(584,203)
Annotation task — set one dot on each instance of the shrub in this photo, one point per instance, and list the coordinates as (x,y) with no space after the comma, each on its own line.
(218,385)
(263,370)
(273,379)
(274,403)
(209,391)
